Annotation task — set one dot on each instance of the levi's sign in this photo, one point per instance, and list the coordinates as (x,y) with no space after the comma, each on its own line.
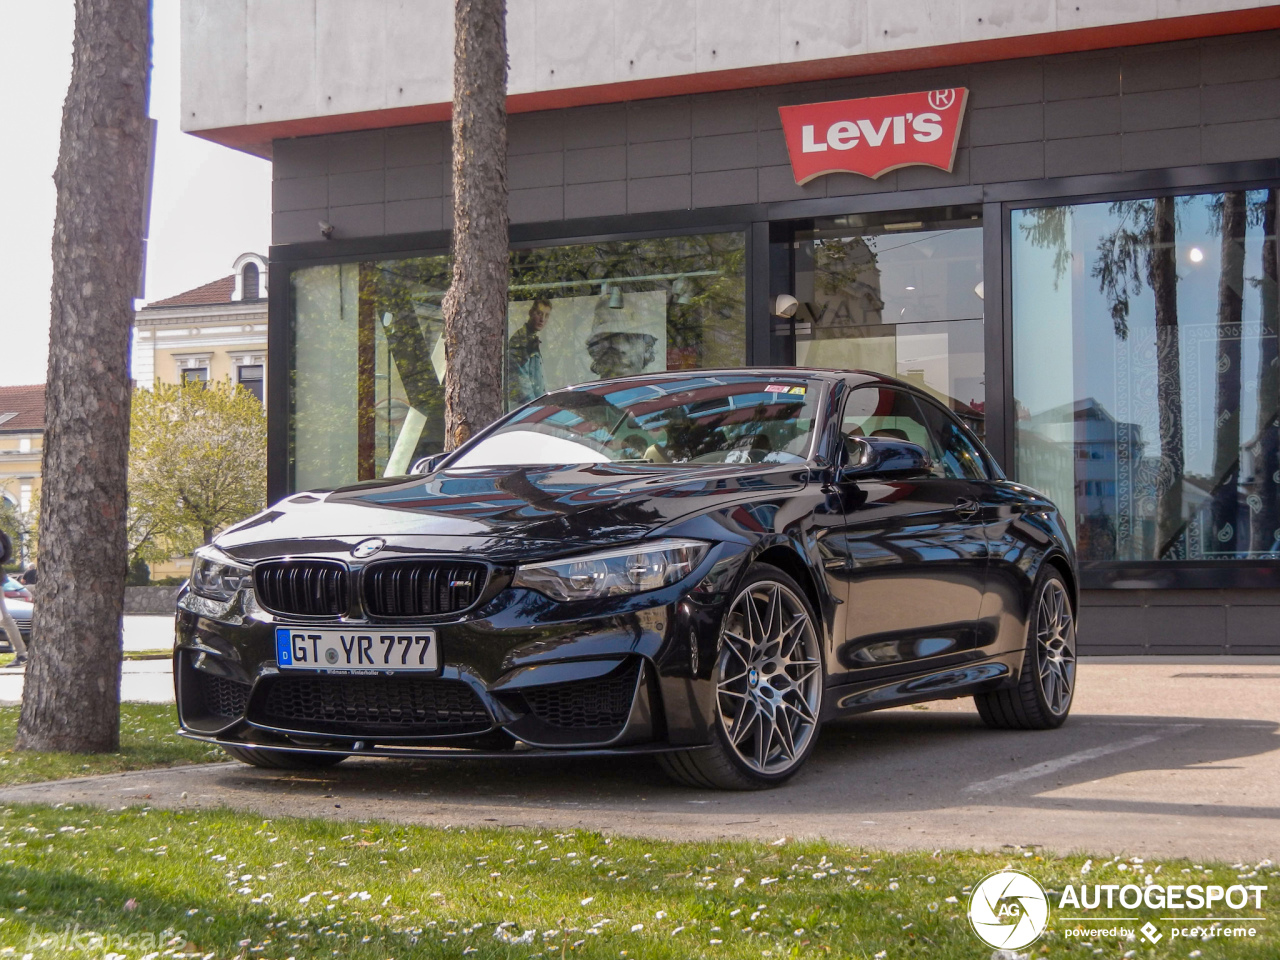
(874,135)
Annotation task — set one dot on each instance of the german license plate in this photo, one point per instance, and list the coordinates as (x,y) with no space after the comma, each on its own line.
(341,651)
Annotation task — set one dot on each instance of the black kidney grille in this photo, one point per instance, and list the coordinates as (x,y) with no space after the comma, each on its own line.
(308,588)
(391,706)
(585,704)
(222,697)
(422,588)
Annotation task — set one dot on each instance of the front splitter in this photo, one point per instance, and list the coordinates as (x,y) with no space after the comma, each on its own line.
(363,749)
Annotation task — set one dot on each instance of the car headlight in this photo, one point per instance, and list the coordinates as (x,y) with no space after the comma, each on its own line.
(610,573)
(216,576)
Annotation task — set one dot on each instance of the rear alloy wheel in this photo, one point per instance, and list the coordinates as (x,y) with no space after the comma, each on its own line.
(1042,698)
(769,685)
(283,759)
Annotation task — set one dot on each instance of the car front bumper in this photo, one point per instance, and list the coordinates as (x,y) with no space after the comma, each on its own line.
(519,676)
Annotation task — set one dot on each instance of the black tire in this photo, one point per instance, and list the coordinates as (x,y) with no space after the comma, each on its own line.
(794,691)
(283,759)
(1046,684)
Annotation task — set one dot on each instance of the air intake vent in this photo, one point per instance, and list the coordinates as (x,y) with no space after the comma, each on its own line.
(595,704)
(390,706)
(306,588)
(422,588)
(222,697)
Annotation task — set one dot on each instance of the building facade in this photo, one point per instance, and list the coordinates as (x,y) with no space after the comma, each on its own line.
(212,332)
(21,451)
(1089,277)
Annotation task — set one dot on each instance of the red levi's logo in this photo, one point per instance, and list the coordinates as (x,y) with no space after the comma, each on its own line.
(874,135)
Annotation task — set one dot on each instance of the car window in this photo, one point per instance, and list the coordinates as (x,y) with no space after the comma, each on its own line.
(884,412)
(724,418)
(954,454)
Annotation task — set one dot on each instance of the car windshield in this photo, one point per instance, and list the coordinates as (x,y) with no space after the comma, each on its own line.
(725,418)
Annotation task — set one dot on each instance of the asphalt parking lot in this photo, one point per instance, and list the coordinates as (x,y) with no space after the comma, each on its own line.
(1158,758)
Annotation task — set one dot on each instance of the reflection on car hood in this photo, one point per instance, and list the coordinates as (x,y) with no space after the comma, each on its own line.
(507,510)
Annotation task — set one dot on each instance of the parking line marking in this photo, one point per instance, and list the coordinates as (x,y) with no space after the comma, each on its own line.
(1070,760)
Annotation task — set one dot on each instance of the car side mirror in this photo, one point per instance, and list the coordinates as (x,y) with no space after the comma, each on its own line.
(424,466)
(883,458)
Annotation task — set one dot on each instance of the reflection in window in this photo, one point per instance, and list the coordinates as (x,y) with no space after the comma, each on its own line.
(900,298)
(368,339)
(700,420)
(1146,376)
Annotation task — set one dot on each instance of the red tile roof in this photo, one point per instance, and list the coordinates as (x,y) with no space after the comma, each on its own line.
(27,405)
(217,292)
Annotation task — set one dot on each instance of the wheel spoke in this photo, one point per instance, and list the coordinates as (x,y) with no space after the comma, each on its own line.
(801,708)
(744,721)
(764,739)
(755,626)
(786,740)
(773,615)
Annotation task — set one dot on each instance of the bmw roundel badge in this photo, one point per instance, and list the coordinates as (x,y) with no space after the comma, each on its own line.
(367,548)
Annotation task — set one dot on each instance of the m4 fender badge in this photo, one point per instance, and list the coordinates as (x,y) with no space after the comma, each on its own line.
(367,548)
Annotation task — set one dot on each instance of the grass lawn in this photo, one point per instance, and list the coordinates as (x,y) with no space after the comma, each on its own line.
(147,739)
(222,885)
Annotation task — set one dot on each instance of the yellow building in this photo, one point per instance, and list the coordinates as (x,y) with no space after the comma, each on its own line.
(216,330)
(213,331)
(21,446)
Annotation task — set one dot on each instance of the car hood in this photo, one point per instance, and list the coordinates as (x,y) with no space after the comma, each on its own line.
(504,511)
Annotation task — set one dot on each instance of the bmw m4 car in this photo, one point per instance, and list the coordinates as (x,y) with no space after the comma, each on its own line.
(704,566)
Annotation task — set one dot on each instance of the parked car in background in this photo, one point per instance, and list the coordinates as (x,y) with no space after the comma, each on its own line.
(21,611)
(700,565)
(14,590)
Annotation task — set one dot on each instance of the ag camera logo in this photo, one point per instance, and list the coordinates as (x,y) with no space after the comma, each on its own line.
(1008,910)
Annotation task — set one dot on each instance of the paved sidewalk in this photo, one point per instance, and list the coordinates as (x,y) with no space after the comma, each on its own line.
(1158,759)
(148,633)
(149,681)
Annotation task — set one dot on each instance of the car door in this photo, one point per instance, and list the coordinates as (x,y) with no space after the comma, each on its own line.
(916,552)
(959,455)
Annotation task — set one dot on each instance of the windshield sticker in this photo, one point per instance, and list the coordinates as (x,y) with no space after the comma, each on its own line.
(784,388)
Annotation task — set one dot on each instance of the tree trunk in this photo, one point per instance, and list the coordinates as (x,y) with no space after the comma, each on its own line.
(1226,452)
(72,696)
(1265,512)
(1163,276)
(475,308)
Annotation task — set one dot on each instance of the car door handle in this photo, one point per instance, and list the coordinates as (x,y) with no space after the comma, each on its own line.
(966,508)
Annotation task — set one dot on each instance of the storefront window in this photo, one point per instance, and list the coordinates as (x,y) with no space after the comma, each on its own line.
(368,349)
(897,295)
(1146,376)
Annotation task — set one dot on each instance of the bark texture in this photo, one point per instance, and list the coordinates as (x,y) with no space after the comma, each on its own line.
(72,695)
(1162,274)
(1226,452)
(475,308)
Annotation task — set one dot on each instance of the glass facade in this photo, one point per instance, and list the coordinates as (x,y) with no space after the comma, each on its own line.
(368,361)
(1146,378)
(901,297)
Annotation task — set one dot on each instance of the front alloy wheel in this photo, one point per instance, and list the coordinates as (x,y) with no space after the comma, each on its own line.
(768,689)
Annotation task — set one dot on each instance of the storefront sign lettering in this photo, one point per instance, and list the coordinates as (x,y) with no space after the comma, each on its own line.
(874,135)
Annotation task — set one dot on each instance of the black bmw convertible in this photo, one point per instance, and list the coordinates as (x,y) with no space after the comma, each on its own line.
(704,566)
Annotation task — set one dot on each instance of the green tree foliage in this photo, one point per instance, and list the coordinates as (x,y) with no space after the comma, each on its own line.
(197,463)
(21,526)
